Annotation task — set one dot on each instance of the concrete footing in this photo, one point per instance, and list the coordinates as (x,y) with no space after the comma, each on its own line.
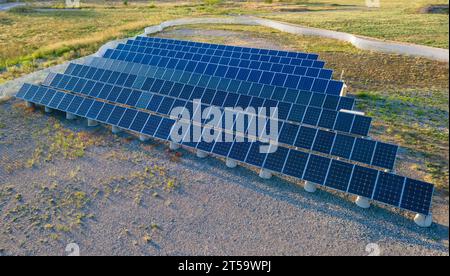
(265,174)
(362,202)
(29,104)
(174,146)
(423,220)
(231,163)
(48,110)
(310,187)
(92,123)
(201,154)
(116,130)
(143,138)
(70,116)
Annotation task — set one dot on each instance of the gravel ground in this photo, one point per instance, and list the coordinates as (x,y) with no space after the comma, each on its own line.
(113,195)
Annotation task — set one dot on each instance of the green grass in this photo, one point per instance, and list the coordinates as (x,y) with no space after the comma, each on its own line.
(398,20)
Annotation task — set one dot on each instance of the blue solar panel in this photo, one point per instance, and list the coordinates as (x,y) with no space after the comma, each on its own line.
(93,111)
(84,107)
(239,151)
(363,181)
(361,125)
(317,168)
(65,102)
(254,156)
(339,175)
(344,122)
(384,155)
(165,128)
(305,137)
(312,116)
(324,141)
(127,118)
(75,104)
(105,112)
(222,148)
(363,150)
(343,146)
(288,133)
(389,188)
(56,100)
(116,115)
(275,161)
(151,125)
(295,163)
(417,196)
(139,121)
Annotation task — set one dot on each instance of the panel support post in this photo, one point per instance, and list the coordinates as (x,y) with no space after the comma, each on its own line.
(92,123)
(143,138)
(310,187)
(48,109)
(173,146)
(231,163)
(70,116)
(362,202)
(116,130)
(423,220)
(29,104)
(265,174)
(201,154)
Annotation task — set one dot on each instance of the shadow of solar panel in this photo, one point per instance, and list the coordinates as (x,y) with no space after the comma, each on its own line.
(339,175)
(363,181)
(389,188)
(417,196)
(317,168)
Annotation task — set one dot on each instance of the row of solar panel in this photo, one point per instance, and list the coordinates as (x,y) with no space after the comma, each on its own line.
(246,88)
(224,53)
(383,187)
(304,83)
(340,121)
(229,48)
(303,67)
(363,150)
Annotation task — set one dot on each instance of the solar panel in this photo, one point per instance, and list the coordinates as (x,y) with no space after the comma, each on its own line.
(242,87)
(136,97)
